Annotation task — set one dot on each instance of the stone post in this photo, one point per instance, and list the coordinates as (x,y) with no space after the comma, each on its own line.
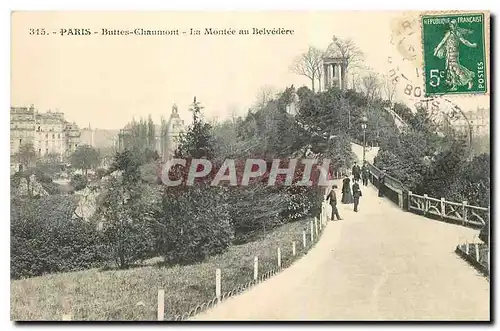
(218,286)
(255,268)
(464,212)
(161,304)
(443,208)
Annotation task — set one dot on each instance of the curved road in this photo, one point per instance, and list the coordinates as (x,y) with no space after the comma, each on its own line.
(378,264)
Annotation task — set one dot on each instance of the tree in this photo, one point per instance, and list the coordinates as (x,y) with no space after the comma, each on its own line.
(79,182)
(46,239)
(197,141)
(309,64)
(126,211)
(85,157)
(49,165)
(347,50)
(26,155)
(225,139)
(389,89)
(128,162)
(164,136)
(194,223)
(370,85)
(151,133)
(266,93)
(403,111)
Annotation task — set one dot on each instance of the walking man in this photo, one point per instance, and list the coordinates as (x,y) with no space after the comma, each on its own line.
(356,192)
(356,171)
(365,173)
(333,202)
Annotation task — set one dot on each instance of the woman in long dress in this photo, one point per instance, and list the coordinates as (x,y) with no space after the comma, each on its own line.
(456,74)
(346,191)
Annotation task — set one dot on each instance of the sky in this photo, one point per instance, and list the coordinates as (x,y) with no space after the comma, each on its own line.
(106,80)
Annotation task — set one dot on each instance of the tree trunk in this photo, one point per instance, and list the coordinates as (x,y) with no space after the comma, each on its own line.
(312,83)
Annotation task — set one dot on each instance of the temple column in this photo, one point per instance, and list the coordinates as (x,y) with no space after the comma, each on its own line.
(340,77)
(325,75)
(332,74)
(327,78)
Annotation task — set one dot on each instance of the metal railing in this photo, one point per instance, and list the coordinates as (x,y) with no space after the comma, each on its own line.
(458,212)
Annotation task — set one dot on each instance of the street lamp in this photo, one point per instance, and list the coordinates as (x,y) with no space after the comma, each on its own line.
(364,120)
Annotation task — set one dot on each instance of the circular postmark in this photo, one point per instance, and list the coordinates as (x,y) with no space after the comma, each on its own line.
(405,36)
(447,117)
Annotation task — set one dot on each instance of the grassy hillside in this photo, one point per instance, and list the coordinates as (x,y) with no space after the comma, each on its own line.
(132,294)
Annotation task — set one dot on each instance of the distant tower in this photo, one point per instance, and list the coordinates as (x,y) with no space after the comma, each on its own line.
(175,127)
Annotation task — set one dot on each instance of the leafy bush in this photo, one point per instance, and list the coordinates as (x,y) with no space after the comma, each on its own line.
(255,209)
(126,210)
(194,223)
(303,202)
(44,238)
(42,175)
(437,166)
(149,172)
(51,188)
(473,182)
(79,182)
(101,172)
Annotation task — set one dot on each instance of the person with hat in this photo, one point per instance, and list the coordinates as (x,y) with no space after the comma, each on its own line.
(332,197)
(356,192)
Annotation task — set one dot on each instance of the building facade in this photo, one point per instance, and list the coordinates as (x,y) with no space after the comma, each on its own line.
(99,138)
(476,123)
(479,121)
(48,132)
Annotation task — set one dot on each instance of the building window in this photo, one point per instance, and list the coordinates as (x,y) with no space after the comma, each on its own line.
(20,141)
(46,151)
(39,151)
(59,136)
(53,136)
(46,135)
(38,129)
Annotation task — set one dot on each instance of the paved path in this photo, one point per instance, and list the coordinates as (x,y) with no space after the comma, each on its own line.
(378,264)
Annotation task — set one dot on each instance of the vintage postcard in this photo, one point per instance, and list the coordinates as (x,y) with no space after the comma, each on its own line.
(250,166)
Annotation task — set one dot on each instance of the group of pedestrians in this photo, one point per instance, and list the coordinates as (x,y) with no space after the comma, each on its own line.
(350,194)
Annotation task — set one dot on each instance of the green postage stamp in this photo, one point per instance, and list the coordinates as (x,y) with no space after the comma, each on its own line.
(454,53)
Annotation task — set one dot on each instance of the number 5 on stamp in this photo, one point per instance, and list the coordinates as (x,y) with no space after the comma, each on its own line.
(454,54)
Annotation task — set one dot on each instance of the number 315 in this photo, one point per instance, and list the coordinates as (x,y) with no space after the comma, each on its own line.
(435,77)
